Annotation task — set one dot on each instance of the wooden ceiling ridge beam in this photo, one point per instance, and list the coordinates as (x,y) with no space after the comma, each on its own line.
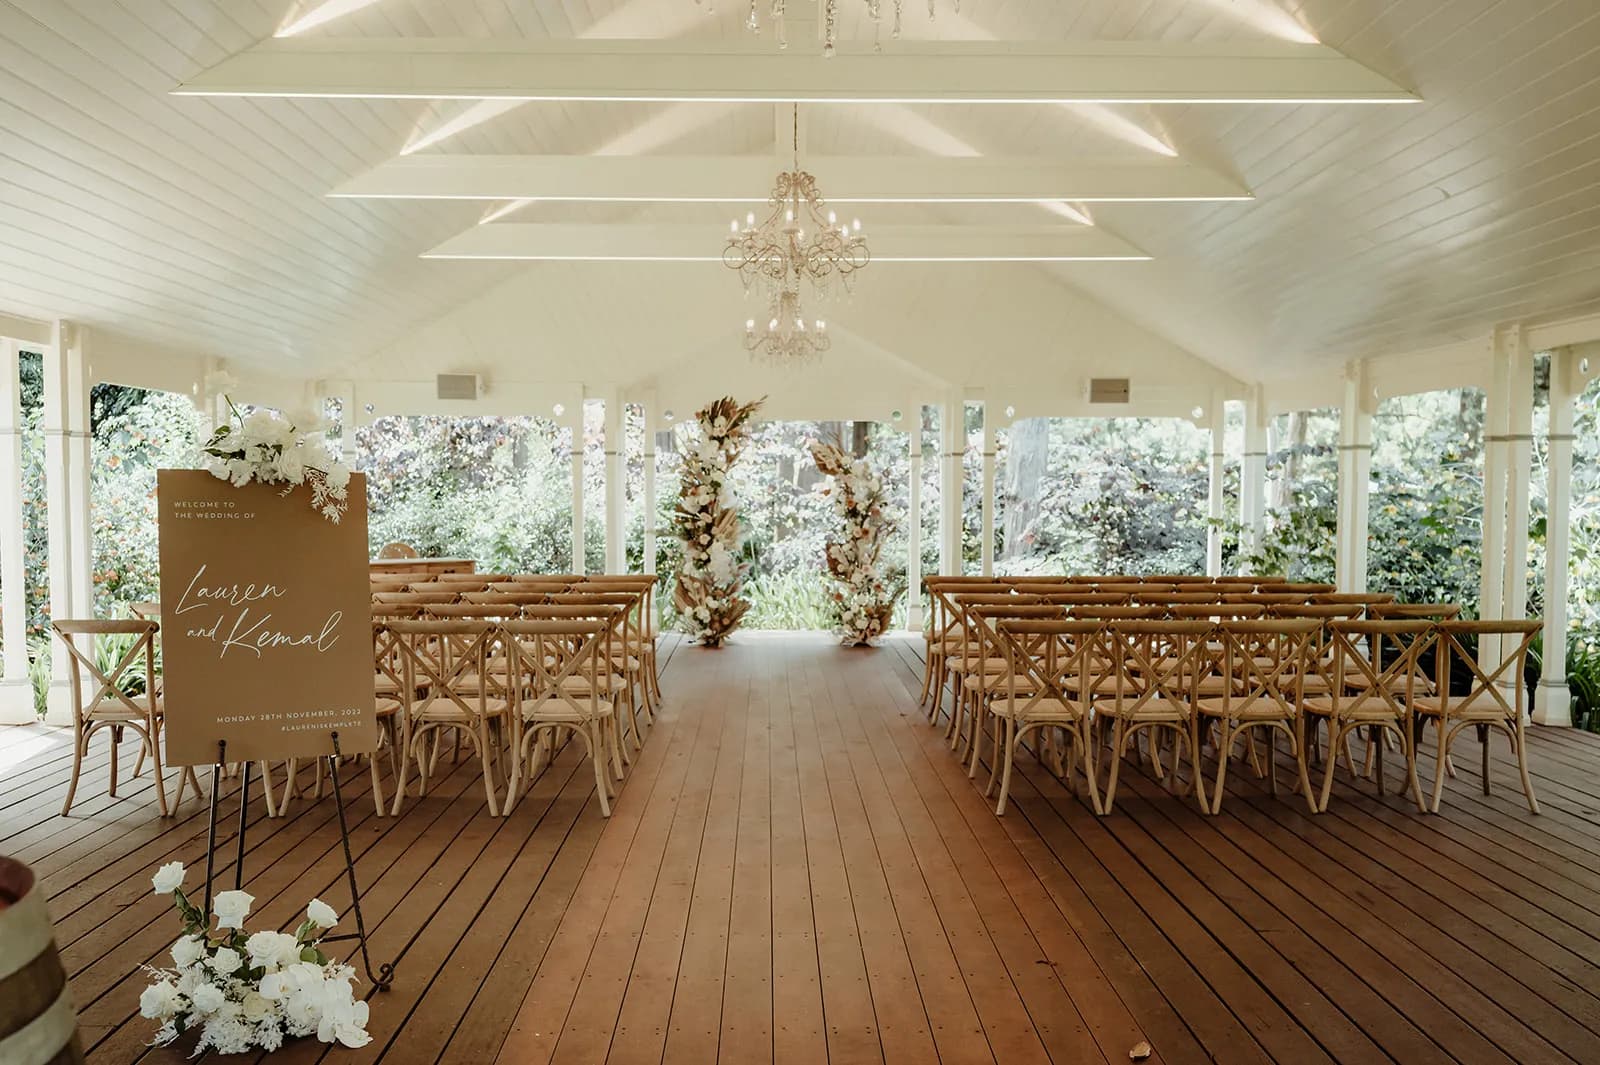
(931,72)
(745,179)
(622,242)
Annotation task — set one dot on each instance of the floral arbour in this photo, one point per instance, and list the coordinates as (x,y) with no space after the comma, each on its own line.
(861,599)
(711,579)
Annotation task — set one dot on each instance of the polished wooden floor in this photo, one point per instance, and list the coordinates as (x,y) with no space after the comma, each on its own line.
(797,870)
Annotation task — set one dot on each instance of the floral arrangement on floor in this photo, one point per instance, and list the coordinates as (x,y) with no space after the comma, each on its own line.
(244,992)
(862,601)
(268,447)
(712,577)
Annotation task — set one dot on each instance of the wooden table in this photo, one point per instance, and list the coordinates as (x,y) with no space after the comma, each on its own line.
(426,566)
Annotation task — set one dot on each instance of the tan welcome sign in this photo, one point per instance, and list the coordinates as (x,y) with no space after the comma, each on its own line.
(266,621)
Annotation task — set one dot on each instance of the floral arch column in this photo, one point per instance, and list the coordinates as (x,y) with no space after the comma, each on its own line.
(712,577)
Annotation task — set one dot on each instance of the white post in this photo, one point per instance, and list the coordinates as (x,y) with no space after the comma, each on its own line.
(1355,477)
(1219,422)
(16,690)
(650,484)
(616,486)
(1518,451)
(1496,463)
(913,417)
(1253,475)
(79,440)
(952,444)
(576,457)
(1552,700)
(63,492)
(986,552)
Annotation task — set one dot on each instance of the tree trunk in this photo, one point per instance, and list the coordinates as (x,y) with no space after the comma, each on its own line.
(1289,472)
(1027,456)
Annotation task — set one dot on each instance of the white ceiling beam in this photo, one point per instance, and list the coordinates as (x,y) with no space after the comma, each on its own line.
(746,179)
(580,242)
(27,330)
(745,70)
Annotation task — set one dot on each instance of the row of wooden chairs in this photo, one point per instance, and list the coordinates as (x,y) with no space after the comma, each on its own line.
(1093,677)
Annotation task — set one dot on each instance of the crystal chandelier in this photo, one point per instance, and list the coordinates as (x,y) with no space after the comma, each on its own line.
(800,239)
(830,19)
(787,339)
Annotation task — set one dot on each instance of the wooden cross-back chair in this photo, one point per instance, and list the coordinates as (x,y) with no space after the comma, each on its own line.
(112,709)
(1049,668)
(1419,611)
(645,641)
(1378,678)
(1485,704)
(506,599)
(1223,611)
(980,686)
(445,686)
(943,635)
(965,656)
(457,584)
(557,666)
(626,647)
(1264,663)
(1157,668)
(1070,598)
(615,684)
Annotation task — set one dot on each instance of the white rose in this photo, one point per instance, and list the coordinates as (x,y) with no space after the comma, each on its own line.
(231,908)
(275,986)
(255,1006)
(159,1001)
(207,998)
(272,950)
(338,476)
(321,914)
(187,951)
(226,960)
(168,878)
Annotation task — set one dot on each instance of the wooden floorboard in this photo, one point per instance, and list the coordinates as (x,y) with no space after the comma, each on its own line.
(798,869)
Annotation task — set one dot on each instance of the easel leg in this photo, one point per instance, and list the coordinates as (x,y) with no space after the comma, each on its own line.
(211,820)
(385,974)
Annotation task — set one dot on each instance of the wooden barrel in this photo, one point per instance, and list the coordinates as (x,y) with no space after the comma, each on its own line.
(37,1024)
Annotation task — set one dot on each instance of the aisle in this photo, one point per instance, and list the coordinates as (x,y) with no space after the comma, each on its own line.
(797,869)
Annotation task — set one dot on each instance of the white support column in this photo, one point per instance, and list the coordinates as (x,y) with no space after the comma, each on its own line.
(1355,480)
(16,689)
(616,487)
(1253,475)
(66,494)
(1496,463)
(913,418)
(1552,699)
(650,483)
(1219,422)
(576,458)
(986,551)
(1519,457)
(952,448)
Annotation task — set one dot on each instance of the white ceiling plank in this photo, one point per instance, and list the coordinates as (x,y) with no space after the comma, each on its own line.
(692,243)
(923,72)
(746,179)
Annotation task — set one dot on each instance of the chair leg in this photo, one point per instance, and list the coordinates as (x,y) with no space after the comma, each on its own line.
(1336,735)
(156,768)
(1519,739)
(1445,736)
(1224,747)
(996,742)
(1483,744)
(82,741)
(1119,740)
(592,739)
(116,737)
(927,676)
(975,752)
(1008,753)
(1408,744)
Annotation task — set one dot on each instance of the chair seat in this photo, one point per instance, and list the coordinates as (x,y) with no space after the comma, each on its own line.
(1361,708)
(443,711)
(1481,707)
(1255,708)
(1156,708)
(972,665)
(556,712)
(1067,711)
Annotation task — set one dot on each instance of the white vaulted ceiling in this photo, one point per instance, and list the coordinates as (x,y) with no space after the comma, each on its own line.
(203,225)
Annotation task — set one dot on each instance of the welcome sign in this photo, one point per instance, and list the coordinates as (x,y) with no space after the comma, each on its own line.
(266,621)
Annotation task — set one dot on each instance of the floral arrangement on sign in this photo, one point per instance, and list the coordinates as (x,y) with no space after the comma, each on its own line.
(267,447)
(246,992)
(712,577)
(862,601)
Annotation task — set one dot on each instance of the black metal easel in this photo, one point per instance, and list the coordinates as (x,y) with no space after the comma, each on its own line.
(385,975)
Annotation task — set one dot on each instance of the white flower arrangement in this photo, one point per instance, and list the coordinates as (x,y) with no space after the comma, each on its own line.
(244,992)
(711,578)
(267,447)
(863,604)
